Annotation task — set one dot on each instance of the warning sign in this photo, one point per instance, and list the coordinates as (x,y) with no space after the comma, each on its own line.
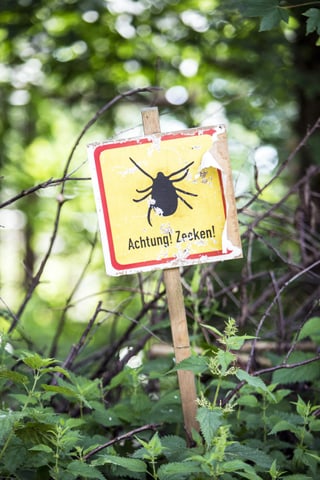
(165,200)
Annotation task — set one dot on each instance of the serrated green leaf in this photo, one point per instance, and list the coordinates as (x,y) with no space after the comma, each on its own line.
(24,398)
(312,327)
(174,447)
(313,24)
(238,466)
(256,382)
(210,421)
(7,420)
(15,377)
(78,468)
(248,401)
(195,364)
(178,470)
(36,362)
(254,455)
(131,464)
(69,392)
(42,448)
(213,329)
(224,359)
(303,373)
(56,369)
(283,426)
(15,455)
(35,432)
(236,342)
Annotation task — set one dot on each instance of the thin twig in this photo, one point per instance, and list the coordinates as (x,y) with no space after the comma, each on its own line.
(120,438)
(75,349)
(284,164)
(52,182)
(275,299)
(61,199)
(61,322)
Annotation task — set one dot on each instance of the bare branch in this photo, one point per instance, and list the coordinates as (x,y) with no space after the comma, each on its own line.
(121,438)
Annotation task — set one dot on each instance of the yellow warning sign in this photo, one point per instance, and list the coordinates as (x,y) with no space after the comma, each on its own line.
(162,200)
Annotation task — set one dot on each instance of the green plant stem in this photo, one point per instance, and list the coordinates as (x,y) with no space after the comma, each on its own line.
(264,418)
(30,394)
(215,400)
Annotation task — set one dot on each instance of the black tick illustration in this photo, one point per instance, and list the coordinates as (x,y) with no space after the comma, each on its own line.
(164,195)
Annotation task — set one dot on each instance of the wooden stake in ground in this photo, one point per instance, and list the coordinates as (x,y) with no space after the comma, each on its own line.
(178,319)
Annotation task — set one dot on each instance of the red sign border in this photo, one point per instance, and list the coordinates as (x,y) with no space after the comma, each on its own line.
(139,266)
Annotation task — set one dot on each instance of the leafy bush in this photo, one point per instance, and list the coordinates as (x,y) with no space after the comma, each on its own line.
(58,425)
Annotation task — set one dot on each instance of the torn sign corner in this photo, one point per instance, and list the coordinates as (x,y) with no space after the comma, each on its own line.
(218,131)
(208,160)
(236,251)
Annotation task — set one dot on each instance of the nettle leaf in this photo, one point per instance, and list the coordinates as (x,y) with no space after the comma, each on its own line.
(178,470)
(66,391)
(7,421)
(210,421)
(212,329)
(56,369)
(131,464)
(237,466)
(311,327)
(35,432)
(284,426)
(248,401)
(175,447)
(304,373)
(15,377)
(80,469)
(236,342)
(15,455)
(225,359)
(195,364)
(255,382)
(42,448)
(36,362)
(249,454)
(313,24)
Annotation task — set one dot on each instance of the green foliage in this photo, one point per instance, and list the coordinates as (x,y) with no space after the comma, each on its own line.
(313,22)
(259,435)
(72,407)
(272,12)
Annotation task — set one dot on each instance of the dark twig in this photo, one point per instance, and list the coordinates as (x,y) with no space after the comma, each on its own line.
(62,320)
(263,371)
(61,199)
(120,438)
(75,349)
(284,164)
(52,182)
(275,299)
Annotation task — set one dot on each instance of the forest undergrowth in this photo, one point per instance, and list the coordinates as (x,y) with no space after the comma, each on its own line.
(97,396)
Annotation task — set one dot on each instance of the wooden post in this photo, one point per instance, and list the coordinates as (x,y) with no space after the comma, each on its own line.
(177,313)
